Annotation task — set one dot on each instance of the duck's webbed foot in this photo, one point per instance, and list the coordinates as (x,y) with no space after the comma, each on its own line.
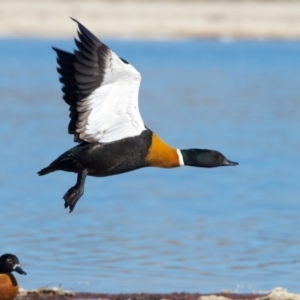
(75,192)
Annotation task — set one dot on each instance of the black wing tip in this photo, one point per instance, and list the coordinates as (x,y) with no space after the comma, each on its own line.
(58,51)
(79,24)
(86,32)
(42,172)
(74,19)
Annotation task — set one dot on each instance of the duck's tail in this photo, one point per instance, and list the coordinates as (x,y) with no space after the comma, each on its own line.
(54,166)
(65,162)
(47,170)
(68,161)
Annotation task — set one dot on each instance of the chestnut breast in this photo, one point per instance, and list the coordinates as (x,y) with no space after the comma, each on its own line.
(8,287)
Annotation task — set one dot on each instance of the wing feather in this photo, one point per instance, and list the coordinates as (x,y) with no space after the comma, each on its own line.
(101,89)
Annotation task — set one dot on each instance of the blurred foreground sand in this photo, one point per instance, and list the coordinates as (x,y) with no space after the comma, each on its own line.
(152,19)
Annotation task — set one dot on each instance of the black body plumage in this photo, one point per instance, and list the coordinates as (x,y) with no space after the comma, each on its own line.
(104,159)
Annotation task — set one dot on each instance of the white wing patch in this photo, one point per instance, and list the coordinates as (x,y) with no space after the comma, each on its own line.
(114,112)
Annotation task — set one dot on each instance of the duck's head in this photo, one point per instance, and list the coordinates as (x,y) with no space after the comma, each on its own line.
(205,158)
(10,263)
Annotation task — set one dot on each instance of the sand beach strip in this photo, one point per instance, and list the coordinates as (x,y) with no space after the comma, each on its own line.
(153,19)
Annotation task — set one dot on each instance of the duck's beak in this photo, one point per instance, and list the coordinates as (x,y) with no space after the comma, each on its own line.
(227,162)
(19,270)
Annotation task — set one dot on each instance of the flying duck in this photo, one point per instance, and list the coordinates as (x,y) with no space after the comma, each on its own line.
(8,284)
(101,90)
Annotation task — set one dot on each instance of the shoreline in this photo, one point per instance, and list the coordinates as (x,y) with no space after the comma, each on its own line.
(58,293)
(142,296)
(146,19)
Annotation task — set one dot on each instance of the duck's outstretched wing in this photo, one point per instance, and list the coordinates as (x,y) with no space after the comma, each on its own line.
(101,89)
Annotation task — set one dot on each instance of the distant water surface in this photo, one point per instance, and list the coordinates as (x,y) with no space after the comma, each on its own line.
(153,230)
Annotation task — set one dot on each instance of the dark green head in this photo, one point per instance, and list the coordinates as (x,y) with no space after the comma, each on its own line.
(205,158)
(10,263)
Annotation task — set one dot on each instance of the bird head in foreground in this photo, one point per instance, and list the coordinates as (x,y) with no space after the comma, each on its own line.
(10,263)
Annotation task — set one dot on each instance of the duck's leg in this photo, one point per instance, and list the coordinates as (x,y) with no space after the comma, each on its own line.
(75,192)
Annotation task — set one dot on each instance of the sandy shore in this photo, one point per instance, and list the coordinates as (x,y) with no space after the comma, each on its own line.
(146,296)
(152,19)
(57,294)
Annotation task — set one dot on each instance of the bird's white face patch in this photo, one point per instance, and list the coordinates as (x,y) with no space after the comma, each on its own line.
(16,266)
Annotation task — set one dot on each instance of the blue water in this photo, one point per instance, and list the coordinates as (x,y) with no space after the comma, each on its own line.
(154,230)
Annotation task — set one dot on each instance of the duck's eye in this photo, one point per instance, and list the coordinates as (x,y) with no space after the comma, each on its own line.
(9,260)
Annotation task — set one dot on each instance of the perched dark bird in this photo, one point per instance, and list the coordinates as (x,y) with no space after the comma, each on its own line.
(102,92)
(8,284)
